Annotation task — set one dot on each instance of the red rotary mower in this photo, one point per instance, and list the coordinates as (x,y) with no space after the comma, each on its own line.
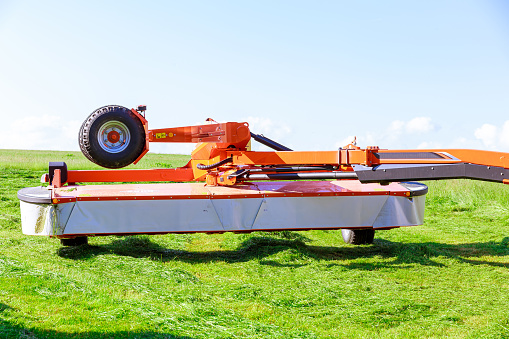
(227,187)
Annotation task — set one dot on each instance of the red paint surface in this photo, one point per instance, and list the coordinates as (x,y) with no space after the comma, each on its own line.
(200,191)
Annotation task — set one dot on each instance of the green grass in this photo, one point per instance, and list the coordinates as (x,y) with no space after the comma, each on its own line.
(447,278)
(38,160)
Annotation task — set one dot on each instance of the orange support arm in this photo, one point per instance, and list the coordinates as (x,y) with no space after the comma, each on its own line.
(372,157)
(343,160)
(229,132)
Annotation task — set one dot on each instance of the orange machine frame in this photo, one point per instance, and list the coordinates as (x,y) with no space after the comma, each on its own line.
(223,151)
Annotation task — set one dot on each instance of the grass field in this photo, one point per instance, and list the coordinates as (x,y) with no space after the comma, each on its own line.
(447,278)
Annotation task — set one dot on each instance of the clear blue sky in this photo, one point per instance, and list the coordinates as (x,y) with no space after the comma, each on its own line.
(311,74)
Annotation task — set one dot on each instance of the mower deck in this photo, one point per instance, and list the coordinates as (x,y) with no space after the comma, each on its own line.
(91,210)
(193,207)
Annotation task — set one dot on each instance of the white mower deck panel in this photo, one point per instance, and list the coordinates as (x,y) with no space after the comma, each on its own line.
(193,207)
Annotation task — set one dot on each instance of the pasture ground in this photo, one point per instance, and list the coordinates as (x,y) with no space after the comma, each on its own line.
(447,278)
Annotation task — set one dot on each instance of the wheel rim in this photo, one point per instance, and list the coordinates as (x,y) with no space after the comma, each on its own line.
(345,233)
(114,136)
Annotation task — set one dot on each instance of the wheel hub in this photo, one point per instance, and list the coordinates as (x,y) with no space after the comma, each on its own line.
(114,136)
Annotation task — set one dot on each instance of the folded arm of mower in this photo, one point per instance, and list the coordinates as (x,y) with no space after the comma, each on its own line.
(223,157)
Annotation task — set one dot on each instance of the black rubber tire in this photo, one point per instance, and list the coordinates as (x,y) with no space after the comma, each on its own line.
(358,237)
(78,241)
(91,128)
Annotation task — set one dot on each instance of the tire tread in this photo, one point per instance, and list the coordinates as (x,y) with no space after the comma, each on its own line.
(85,137)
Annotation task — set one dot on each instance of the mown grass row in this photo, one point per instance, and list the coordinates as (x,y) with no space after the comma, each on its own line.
(447,278)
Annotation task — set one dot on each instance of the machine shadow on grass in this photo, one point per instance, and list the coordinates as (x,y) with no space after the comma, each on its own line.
(13,330)
(262,247)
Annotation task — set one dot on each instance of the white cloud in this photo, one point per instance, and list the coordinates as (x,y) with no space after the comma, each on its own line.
(274,130)
(49,132)
(504,135)
(399,134)
(462,142)
(416,125)
(494,137)
(267,127)
(420,125)
(53,132)
(71,129)
(396,126)
(487,134)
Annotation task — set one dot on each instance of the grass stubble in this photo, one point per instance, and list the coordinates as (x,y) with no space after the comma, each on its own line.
(447,278)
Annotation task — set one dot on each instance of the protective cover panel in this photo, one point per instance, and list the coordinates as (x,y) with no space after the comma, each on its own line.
(319,212)
(36,218)
(167,208)
(44,219)
(237,214)
(146,216)
(399,211)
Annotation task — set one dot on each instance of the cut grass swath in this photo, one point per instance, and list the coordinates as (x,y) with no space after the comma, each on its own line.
(447,278)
